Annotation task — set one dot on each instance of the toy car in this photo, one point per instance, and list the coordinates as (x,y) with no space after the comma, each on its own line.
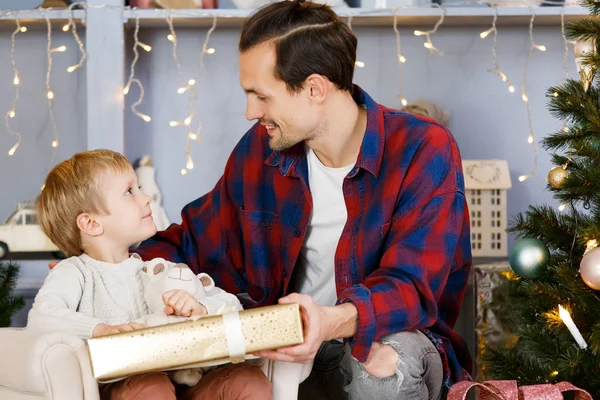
(22,234)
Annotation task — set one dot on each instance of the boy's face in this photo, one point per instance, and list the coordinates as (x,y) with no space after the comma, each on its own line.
(129,219)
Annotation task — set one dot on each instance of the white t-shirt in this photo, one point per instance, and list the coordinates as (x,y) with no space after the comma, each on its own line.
(315,271)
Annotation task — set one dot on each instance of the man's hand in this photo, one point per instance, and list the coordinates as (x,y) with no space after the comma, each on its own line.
(105,329)
(182,304)
(315,332)
(52,264)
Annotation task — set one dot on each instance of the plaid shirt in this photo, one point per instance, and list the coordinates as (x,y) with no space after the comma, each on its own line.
(404,254)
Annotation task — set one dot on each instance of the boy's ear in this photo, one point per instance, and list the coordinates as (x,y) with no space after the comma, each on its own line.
(88,225)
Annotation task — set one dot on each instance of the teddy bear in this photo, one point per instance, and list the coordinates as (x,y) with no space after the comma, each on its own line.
(162,276)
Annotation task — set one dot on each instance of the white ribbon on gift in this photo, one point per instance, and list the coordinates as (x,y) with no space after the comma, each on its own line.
(235,337)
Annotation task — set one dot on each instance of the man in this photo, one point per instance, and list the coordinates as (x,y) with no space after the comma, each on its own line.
(353,210)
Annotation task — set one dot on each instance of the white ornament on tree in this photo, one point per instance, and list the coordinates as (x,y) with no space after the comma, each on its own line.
(147,180)
(586,72)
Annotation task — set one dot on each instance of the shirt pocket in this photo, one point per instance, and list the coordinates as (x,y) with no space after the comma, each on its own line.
(262,247)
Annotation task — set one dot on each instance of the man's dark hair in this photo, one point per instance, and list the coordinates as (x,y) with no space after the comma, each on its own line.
(308,39)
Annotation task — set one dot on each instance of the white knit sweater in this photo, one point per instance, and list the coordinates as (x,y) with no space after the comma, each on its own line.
(80,292)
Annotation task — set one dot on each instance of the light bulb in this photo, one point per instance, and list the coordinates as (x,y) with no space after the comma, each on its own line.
(523,178)
(145,47)
(503,77)
(540,47)
(60,49)
(11,113)
(55,143)
(189,164)
(16,81)
(401,58)
(146,117)
(210,50)
(525,98)
(404,102)
(183,171)
(562,207)
(485,34)
(566,129)
(359,64)
(126,90)
(174,123)
(553,373)
(13,149)
(428,45)
(50,94)
(511,89)
(65,28)
(73,68)
(170,38)
(192,136)
(192,82)
(530,139)
(23,29)
(555,94)
(188,121)
(182,90)
(419,33)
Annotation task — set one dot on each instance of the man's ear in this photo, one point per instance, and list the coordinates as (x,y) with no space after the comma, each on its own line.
(88,225)
(317,86)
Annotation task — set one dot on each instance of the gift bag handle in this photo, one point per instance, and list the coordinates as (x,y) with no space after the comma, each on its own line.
(508,390)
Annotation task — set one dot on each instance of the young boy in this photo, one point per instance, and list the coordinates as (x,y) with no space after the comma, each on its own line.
(92,209)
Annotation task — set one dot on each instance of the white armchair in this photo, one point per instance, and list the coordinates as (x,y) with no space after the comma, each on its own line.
(56,366)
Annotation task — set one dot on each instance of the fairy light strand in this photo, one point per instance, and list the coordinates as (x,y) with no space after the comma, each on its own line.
(17,81)
(195,135)
(357,63)
(531,138)
(434,51)
(172,37)
(49,92)
(495,66)
(73,27)
(132,79)
(401,60)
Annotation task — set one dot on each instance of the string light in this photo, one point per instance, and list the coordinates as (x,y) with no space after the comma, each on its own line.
(495,67)
(357,63)
(562,207)
(590,245)
(401,59)
(428,43)
(65,28)
(553,373)
(132,78)
(23,29)
(71,24)
(189,85)
(60,49)
(17,82)
(531,137)
(49,93)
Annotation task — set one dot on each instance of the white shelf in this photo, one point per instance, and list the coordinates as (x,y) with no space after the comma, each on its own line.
(455,16)
(38,16)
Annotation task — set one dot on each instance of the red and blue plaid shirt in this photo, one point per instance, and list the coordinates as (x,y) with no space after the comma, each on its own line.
(403,257)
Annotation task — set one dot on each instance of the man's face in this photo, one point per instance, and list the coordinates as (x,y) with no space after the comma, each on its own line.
(289,118)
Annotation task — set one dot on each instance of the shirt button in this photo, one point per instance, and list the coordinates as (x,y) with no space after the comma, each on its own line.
(297,232)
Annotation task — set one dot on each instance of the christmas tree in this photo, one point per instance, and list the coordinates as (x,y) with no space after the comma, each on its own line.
(9,304)
(555,288)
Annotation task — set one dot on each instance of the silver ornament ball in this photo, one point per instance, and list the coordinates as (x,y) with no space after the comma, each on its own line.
(589,269)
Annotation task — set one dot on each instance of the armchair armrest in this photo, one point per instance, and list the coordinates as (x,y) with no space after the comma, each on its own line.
(54,365)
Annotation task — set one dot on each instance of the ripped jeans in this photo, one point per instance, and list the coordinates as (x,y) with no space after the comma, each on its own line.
(336,375)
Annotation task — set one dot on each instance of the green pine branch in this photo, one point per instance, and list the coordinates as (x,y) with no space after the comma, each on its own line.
(9,304)
(583,30)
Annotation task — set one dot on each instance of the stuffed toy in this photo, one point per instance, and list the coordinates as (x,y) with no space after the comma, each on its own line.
(162,276)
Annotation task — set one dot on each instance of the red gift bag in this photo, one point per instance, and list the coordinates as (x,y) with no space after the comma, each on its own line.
(508,390)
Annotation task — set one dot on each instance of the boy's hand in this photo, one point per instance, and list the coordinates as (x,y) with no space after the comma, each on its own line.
(182,304)
(105,329)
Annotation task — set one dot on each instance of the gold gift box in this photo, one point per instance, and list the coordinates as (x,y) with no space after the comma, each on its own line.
(201,342)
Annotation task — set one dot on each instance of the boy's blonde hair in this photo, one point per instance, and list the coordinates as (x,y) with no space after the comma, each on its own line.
(72,188)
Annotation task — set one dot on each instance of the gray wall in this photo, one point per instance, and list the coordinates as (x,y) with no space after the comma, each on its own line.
(487,121)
